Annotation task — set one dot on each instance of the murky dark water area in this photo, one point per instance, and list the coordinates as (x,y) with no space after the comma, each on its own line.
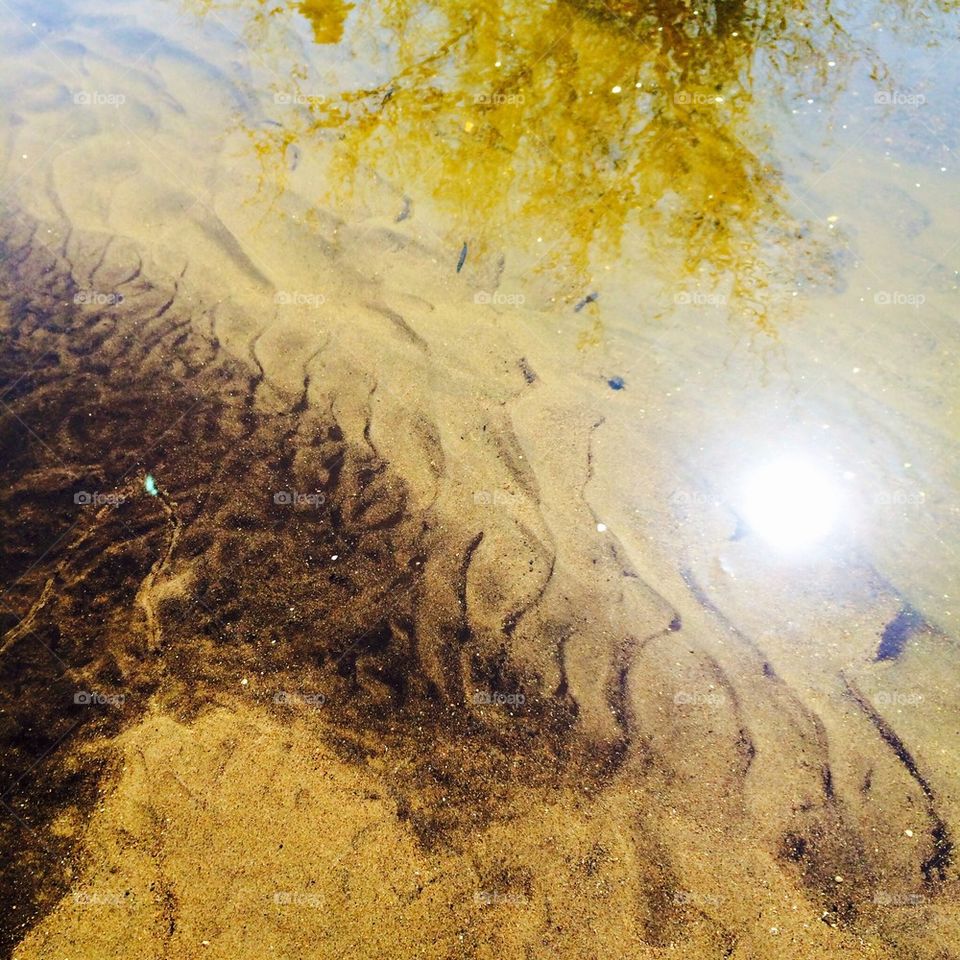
(85,657)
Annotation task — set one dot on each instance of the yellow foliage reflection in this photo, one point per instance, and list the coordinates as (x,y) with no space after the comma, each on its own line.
(327,17)
(592,122)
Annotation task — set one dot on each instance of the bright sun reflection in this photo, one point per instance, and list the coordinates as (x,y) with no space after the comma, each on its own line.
(790,504)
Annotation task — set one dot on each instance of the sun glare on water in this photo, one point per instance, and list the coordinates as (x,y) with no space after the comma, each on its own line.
(791,504)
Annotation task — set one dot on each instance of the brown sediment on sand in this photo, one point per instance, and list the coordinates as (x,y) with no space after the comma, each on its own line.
(294,643)
(172,600)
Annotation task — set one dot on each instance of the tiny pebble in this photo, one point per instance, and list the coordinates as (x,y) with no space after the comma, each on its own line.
(909,833)
(601,528)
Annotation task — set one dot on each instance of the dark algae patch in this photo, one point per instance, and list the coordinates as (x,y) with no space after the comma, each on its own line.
(897,632)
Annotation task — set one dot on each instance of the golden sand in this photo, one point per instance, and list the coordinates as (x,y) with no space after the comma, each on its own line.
(437,629)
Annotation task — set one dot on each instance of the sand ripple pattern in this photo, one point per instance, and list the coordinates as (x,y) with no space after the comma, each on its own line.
(509,667)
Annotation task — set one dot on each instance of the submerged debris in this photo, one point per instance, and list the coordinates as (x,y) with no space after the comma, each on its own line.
(616,383)
(589,298)
(463,257)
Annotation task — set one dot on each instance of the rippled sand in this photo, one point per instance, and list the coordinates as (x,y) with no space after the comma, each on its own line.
(375,580)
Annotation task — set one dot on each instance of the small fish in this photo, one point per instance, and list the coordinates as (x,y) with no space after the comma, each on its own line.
(589,298)
(463,257)
(150,485)
(293,156)
(527,370)
(405,212)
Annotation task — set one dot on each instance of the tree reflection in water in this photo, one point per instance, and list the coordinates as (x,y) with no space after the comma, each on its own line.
(588,123)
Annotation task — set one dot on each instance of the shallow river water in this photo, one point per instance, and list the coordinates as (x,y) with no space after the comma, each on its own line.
(479,478)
